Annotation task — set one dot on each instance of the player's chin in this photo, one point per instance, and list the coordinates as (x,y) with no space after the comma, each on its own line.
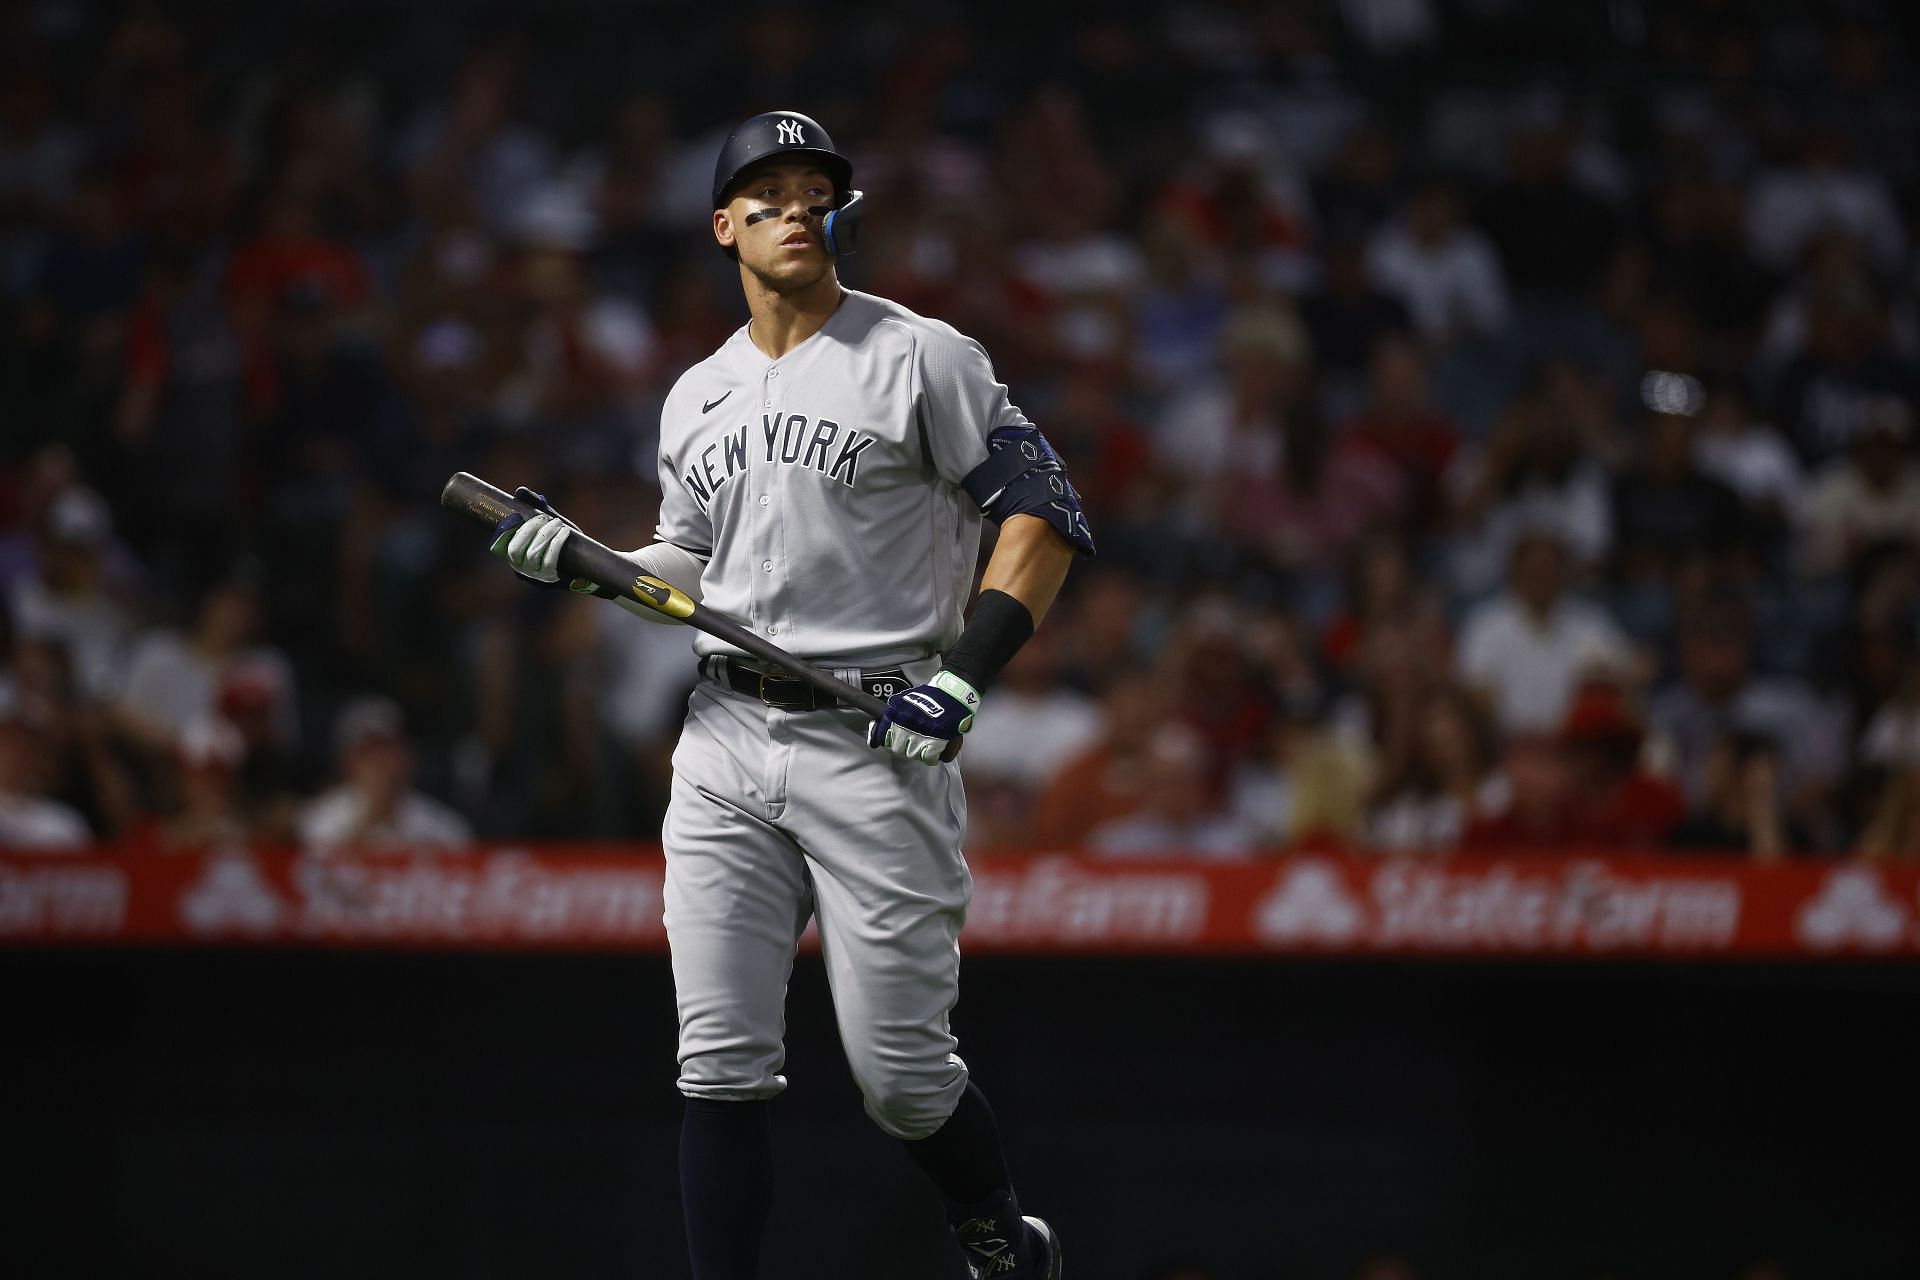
(797,267)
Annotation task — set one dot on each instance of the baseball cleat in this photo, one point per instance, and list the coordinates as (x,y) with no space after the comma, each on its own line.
(992,1254)
(1047,1244)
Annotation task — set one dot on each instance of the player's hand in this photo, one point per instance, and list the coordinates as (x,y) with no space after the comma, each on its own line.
(924,721)
(532,545)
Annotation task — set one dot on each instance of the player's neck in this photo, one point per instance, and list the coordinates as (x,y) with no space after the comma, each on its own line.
(782,321)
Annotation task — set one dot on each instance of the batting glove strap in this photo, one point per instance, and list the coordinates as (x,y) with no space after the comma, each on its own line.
(921,722)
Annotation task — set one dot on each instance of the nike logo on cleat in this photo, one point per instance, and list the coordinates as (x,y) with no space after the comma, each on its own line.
(710,405)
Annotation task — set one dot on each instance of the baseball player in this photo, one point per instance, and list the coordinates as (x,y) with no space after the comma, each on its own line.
(823,478)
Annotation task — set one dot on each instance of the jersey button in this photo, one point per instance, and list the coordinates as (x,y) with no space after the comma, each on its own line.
(767,565)
(773,631)
(773,373)
(764,500)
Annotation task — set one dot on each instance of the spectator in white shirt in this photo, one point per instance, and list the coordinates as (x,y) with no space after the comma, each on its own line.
(175,679)
(1444,272)
(1788,207)
(375,805)
(1749,457)
(1540,467)
(28,818)
(1870,495)
(1220,426)
(1892,738)
(1528,648)
(1718,693)
(69,599)
(1035,727)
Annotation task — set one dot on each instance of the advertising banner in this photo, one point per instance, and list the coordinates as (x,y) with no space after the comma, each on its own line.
(602,897)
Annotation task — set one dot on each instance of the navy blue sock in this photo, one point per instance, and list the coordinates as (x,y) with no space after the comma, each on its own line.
(963,1156)
(726,1185)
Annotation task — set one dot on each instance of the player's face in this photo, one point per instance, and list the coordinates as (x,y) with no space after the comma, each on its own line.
(771,221)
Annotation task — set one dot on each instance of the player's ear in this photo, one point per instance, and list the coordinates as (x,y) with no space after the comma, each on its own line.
(723,228)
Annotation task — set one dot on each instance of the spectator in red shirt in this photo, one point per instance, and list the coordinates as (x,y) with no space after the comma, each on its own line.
(1539,812)
(1382,590)
(1102,442)
(1109,779)
(208,812)
(291,249)
(1221,693)
(1618,804)
(1401,425)
(1235,195)
(288,261)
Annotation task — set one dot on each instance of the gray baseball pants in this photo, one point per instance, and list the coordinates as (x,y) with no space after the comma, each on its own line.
(778,815)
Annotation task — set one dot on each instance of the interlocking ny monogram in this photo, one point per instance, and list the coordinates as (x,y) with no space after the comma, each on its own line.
(789,131)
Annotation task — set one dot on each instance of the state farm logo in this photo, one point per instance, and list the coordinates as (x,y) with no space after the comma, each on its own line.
(1853,908)
(1055,901)
(231,896)
(1311,903)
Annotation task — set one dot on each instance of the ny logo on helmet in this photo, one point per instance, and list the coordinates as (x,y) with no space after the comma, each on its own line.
(789,131)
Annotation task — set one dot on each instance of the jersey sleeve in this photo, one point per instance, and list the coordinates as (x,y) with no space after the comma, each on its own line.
(683,521)
(959,400)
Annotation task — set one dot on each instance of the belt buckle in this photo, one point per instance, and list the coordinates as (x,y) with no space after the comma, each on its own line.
(782,704)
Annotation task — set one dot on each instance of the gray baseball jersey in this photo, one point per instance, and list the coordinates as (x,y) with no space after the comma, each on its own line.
(825,489)
(825,485)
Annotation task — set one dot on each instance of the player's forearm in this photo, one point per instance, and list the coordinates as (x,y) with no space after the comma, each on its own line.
(1028,563)
(675,566)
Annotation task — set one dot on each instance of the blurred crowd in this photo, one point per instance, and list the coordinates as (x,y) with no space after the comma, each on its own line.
(1498,420)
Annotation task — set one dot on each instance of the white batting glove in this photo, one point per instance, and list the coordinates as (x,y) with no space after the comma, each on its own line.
(532,547)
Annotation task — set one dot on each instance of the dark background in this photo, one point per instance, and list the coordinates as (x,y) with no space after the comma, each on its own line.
(239,1115)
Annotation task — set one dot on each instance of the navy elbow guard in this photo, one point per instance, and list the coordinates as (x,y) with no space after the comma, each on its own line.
(1024,476)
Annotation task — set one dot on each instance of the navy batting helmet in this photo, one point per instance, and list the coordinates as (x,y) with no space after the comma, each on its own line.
(788,133)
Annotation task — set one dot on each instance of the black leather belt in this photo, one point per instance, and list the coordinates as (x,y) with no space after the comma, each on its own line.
(790,693)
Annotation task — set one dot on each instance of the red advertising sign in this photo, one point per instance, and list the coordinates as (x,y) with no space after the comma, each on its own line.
(609,898)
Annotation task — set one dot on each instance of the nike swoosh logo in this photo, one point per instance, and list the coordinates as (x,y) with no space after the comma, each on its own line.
(710,405)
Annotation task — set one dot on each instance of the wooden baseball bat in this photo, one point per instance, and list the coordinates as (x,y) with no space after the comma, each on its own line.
(582,557)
